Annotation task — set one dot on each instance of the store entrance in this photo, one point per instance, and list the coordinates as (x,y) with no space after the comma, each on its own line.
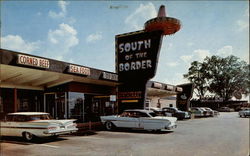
(55,105)
(96,106)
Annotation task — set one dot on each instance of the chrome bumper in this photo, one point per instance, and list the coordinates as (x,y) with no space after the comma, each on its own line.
(171,127)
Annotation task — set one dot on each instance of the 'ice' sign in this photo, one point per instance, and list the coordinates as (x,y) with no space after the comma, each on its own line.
(137,54)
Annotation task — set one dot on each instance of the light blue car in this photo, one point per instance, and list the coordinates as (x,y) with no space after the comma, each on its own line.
(245,112)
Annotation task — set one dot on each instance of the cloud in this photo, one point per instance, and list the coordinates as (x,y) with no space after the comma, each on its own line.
(65,35)
(200,54)
(244,22)
(197,55)
(61,40)
(176,79)
(38,13)
(63,6)
(140,15)
(190,44)
(170,45)
(172,64)
(17,43)
(225,51)
(186,58)
(94,37)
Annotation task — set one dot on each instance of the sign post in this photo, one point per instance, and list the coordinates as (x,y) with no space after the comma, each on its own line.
(137,58)
(183,99)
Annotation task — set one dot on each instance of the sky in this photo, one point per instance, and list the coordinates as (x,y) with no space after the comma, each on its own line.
(83,32)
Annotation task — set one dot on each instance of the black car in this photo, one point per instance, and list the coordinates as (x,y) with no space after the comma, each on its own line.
(171,111)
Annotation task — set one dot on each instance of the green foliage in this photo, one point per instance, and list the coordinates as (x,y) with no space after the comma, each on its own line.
(220,76)
(197,75)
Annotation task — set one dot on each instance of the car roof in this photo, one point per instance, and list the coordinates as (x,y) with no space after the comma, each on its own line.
(139,110)
(28,113)
(152,108)
(169,108)
(246,109)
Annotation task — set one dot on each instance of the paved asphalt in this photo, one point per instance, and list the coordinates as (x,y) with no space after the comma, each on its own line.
(226,135)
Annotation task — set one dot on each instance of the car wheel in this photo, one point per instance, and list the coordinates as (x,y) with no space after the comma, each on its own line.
(28,136)
(109,125)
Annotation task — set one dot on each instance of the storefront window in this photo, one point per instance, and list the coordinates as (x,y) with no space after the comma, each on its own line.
(7,101)
(1,105)
(76,106)
(60,106)
(23,105)
(29,100)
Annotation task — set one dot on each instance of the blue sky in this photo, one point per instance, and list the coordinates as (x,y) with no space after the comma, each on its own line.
(83,32)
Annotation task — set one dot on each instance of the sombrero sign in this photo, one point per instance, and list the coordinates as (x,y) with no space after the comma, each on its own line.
(137,58)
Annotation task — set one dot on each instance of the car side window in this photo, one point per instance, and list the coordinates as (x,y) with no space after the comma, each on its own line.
(133,115)
(9,118)
(141,114)
(128,114)
(167,110)
(124,114)
(19,118)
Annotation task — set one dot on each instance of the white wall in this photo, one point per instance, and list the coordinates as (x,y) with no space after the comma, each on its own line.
(154,100)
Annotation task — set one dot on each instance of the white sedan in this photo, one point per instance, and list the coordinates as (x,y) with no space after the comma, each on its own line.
(35,124)
(139,119)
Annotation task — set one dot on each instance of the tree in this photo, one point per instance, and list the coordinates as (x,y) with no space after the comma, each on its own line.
(222,76)
(196,75)
(227,76)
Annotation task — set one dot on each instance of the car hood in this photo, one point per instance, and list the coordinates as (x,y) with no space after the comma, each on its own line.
(245,111)
(181,112)
(172,119)
(55,121)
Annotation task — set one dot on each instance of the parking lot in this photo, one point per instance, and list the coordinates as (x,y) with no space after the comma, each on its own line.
(225,135)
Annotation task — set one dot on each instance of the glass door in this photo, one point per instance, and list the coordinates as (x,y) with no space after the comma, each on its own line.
(76,106)
(55,105)
(49,104)
(60,106)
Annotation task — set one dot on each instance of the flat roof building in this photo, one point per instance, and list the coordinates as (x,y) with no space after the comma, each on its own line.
(65,90)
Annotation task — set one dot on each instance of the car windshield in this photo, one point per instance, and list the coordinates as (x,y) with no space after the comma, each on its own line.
(39,117)
(153,114)
(24,118)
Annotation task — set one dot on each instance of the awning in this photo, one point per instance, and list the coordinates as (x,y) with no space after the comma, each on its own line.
(159,92)
(27,78)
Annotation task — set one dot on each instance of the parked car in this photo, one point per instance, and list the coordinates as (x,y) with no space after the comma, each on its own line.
(139,119)
(35,124)
(171,111)
(245,112)
(197,111)
(158,111)
(225,109)
(206,112)
(212,112)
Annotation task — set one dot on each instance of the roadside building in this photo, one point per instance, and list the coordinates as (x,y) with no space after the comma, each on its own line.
(161,95)
(65,90)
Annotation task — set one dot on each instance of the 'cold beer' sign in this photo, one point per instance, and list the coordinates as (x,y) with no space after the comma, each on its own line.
(136,63)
